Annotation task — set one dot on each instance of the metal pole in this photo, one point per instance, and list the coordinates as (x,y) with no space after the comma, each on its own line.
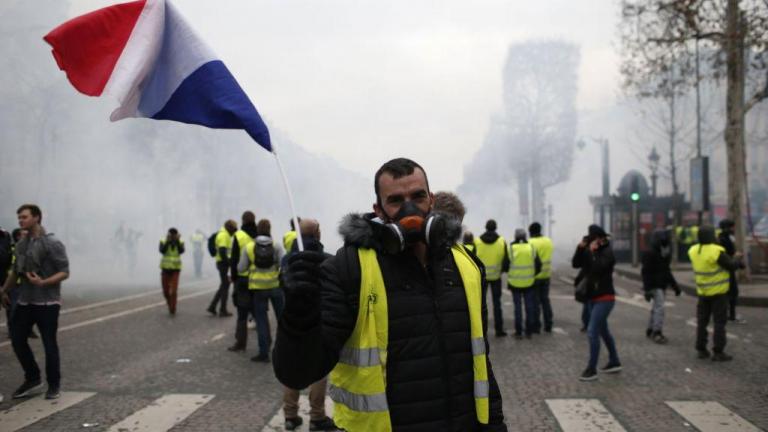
(698,117)
(606,179)
(635,236)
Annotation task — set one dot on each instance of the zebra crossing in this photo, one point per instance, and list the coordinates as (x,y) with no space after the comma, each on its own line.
(164,413)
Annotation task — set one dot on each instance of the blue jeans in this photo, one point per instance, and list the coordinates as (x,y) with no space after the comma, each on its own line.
(524,297)
(260,300)
(585,315)
(47,320)
(543,305)
(598,329)
(498,318)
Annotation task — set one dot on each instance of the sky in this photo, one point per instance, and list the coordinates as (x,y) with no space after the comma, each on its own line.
(366,81)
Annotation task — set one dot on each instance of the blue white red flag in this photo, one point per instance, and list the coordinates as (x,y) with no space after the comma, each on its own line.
(146,56)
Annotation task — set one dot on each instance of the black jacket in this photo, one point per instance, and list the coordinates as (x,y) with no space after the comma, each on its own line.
(656,271)
(429,365)
(597,267)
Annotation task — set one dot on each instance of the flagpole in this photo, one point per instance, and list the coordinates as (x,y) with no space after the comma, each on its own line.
(290,199)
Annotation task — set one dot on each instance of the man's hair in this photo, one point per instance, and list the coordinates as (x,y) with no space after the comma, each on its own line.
(248,217)
(33,209)
(293,225)
(397,168)
(230,224)
(264,228)
(534,229)
(449,203)
(490,225)
(173,231)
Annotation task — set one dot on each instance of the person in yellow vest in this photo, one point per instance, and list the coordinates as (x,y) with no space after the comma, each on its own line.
(171,247)
(491,248)
(241,295)
(223,242)
(290,236)
(396,317)
(198,243)
(711,270)
(524,265)
(544,247)
(261,259)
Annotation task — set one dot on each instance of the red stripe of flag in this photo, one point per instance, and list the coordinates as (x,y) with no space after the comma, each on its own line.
(88,47)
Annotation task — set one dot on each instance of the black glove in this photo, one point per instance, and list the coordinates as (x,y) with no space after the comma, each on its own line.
(302,282)
(677,289)
(648,296)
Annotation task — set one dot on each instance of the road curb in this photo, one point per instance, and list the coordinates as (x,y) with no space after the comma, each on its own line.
(691,290)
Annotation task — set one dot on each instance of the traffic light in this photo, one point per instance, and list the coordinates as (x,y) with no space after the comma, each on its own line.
(634,191)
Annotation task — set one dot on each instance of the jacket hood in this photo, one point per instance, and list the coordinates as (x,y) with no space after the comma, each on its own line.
(250,229)
(263,240)
(489,237)
(364,230)
(706,234)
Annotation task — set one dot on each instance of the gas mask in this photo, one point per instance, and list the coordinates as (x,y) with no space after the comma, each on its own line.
(409,226)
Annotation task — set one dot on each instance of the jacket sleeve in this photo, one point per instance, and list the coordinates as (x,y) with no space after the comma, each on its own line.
(163,247)
(242,264)
(496,414)
(234,262)
(181,247)
(537,265)
(602,261)
(505,261)
(578,258)
(307,347)
(727,262)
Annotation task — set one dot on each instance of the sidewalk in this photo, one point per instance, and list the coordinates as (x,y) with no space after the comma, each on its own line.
(754,293)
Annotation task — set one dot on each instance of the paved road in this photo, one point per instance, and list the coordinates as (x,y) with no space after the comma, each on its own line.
(128,366)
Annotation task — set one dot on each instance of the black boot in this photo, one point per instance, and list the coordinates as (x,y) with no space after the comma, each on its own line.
(241,336)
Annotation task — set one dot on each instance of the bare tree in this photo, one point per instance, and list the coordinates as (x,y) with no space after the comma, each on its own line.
(654,32)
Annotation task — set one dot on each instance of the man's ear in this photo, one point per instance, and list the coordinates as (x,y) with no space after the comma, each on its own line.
(431,201)
(379,212)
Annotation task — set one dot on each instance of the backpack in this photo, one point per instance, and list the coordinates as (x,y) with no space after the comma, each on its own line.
(263,255)
(212,244)
(6,255)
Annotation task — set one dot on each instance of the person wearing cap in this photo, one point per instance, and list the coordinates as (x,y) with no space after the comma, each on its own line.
(725,239)
(491,248)
(597,262)
(544,247)
(711,269)
(171,248)
(657,276)
(524,265)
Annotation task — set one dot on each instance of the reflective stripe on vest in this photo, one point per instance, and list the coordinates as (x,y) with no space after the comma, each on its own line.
(358,383)
(243,240)
(492,256)
(260,278)
(521,265)
(171,259)
(711,279)
(544,247)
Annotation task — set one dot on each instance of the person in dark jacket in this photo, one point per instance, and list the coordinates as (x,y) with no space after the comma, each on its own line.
(580,257)
(492,250)
(597,262)
(429,358)
(242,297)
(726,241)
(657,276)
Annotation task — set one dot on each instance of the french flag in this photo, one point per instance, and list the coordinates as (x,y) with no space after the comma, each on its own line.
(146,56)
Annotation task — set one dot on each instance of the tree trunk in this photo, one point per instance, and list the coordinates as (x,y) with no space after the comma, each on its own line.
(734,126)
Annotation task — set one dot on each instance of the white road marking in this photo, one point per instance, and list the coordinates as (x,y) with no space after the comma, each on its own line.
(110,302)
(121,314)
(37,408)
(163,413)
(709,416)
(583,415)
(692,322)
(277,421)
(217,337)
(560,331)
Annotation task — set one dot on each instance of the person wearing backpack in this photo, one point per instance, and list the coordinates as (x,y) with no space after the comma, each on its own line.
(262,261)
(242,297)
(223,246)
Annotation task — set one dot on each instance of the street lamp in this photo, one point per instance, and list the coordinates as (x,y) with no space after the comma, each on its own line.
(654,159)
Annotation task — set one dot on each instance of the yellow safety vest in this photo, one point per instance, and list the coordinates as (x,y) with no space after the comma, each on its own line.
(223,240)
(470,246)
(543,246)
(521,265)
(358,382)
(288,239)
(171,259)
(711,279)
(243,240)
(260,278)
(491,255)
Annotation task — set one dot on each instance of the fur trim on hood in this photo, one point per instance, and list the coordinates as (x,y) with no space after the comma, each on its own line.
(364,230)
